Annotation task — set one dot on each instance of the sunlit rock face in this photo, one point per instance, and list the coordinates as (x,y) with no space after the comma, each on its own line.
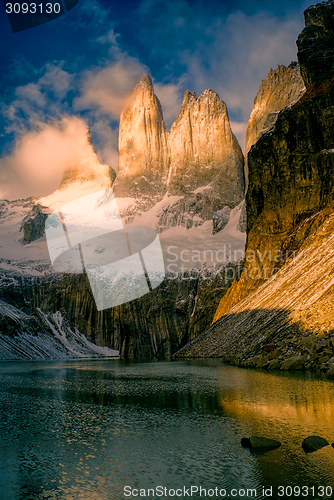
(196,169)
(291,314)
(204,151)
(290,181)
(143,144)
(280,88)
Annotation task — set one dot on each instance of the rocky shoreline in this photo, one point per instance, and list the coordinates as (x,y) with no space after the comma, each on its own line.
(311,352)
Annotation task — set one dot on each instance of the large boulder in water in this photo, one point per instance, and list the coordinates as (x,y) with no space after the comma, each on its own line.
(260,443)
(314,443)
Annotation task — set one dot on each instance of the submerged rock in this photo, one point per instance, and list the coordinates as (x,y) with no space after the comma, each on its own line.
(314,443)
(259,443)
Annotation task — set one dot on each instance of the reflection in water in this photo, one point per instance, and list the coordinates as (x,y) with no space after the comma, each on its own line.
(288,409)
(85,429)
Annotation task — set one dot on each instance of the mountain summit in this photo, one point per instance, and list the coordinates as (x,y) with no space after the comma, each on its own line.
(192,172)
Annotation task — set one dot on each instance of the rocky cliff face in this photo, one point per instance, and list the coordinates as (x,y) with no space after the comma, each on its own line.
(316,44)
(143,162)
(290,182)
(280,88)
(154,326)
(199,161)
(204,151)
(43,336)
(288,322)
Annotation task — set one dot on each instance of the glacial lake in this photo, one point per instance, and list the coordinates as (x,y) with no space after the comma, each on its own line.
(88,429)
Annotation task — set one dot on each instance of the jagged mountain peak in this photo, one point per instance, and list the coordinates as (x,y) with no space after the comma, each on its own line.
(143,144)
(188,97)
(281,87)
(200,148)
(208,104)
(145,82)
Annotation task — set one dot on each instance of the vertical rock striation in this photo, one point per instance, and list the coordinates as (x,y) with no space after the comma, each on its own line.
(143,145)
(198,165)
(290,170)
(204,151)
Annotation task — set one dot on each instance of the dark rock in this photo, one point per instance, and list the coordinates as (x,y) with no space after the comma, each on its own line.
(220,219)
(314,443)
(293,363)
(242,224)
(269,347)
(316,44)
(33,225)
(151,327)
(259,443)
(245,442)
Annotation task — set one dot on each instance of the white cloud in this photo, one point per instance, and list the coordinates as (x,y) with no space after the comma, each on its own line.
(106,89)
(39,160)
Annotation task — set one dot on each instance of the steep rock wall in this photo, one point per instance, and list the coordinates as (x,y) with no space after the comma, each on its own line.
(288,322)
(153,326)
(280,88)
(204,151)
(200,160)
(143,160)
(290,178)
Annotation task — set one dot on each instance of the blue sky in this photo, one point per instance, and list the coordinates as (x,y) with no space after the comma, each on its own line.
(83,65)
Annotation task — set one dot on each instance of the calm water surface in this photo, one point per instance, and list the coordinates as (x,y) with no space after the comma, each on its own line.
(85,429)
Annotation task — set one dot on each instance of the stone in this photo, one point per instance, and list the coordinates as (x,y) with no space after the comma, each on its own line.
(274,364)
(293,363)
(245,442)
(314,443)
(204,151)
(323,359)
(220,219)
(269,347)
(260,443)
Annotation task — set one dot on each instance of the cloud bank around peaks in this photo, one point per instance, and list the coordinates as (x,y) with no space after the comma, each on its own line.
(40,158)
(185,50)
